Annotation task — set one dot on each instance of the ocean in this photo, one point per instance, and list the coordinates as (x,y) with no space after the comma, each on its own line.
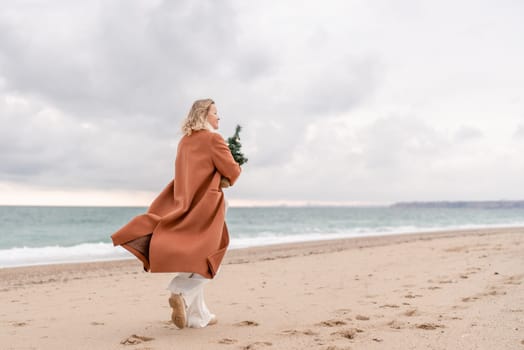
(31,235)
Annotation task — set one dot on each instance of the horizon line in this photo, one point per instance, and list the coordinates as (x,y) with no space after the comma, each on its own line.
(271,204)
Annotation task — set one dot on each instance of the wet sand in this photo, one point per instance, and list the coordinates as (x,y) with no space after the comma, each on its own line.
(446,290)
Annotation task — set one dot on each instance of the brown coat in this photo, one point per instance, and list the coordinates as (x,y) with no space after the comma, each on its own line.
(184,228)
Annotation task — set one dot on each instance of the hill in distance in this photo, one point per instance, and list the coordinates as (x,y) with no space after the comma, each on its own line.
(502,204)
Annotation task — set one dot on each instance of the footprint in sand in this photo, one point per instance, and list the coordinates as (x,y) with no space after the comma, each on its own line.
(455,249)
(393,306)
(446,281)
(395,324)
(459,307)
(331,323)
(297,332)
(494,291)
(412,296)
(515,280)
(334,347)
(246,323)
(362,318)
(469,271)
(498,247)
(473,269)
(257,345)
(469,299)
(342,312)
(429,326)
(135,339)
(349,333)
(227,341)
(411,312)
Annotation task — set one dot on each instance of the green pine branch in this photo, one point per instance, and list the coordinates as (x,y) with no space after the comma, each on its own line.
(235,145)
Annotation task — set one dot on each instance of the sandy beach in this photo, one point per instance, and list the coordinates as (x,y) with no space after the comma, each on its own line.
(446,290)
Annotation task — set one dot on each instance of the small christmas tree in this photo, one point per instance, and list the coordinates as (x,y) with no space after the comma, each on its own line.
(234,146)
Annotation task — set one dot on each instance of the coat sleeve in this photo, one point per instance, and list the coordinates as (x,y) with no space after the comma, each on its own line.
(223,159)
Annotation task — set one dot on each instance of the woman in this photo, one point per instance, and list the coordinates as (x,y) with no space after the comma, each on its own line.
(184,229)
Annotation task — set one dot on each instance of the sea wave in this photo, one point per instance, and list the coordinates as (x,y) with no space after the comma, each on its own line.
(102,251)
(270,238)
(85,252)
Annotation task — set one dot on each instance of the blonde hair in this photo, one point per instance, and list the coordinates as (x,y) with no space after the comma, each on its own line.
(197,116)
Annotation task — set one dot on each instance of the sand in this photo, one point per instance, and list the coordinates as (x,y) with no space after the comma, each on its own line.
(448,290)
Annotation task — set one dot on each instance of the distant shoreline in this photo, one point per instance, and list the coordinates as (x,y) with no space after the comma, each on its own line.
(502,204)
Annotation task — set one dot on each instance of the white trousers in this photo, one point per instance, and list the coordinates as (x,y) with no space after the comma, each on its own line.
(191,286)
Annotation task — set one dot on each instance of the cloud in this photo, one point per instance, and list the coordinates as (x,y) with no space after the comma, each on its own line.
(93,99)
(126,60)
(335,100)
(97,102)
(339,159)
(519,132)
(396,142)
(42,146)
(468,133)
(384,160)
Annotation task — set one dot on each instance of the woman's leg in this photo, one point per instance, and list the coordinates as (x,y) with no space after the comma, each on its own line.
(198,315)
(191,287)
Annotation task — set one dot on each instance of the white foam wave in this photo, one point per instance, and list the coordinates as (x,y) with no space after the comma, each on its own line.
(88,252)
(56,254)
(266,238)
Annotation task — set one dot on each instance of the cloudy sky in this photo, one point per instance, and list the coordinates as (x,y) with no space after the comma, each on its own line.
(342,102)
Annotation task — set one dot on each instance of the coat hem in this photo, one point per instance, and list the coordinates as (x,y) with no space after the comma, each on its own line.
(214,261)
(139,255)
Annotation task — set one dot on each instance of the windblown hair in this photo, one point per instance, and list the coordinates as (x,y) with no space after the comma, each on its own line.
(197,117)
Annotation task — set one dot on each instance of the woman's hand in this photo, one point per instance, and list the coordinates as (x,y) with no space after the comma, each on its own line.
(224,182)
